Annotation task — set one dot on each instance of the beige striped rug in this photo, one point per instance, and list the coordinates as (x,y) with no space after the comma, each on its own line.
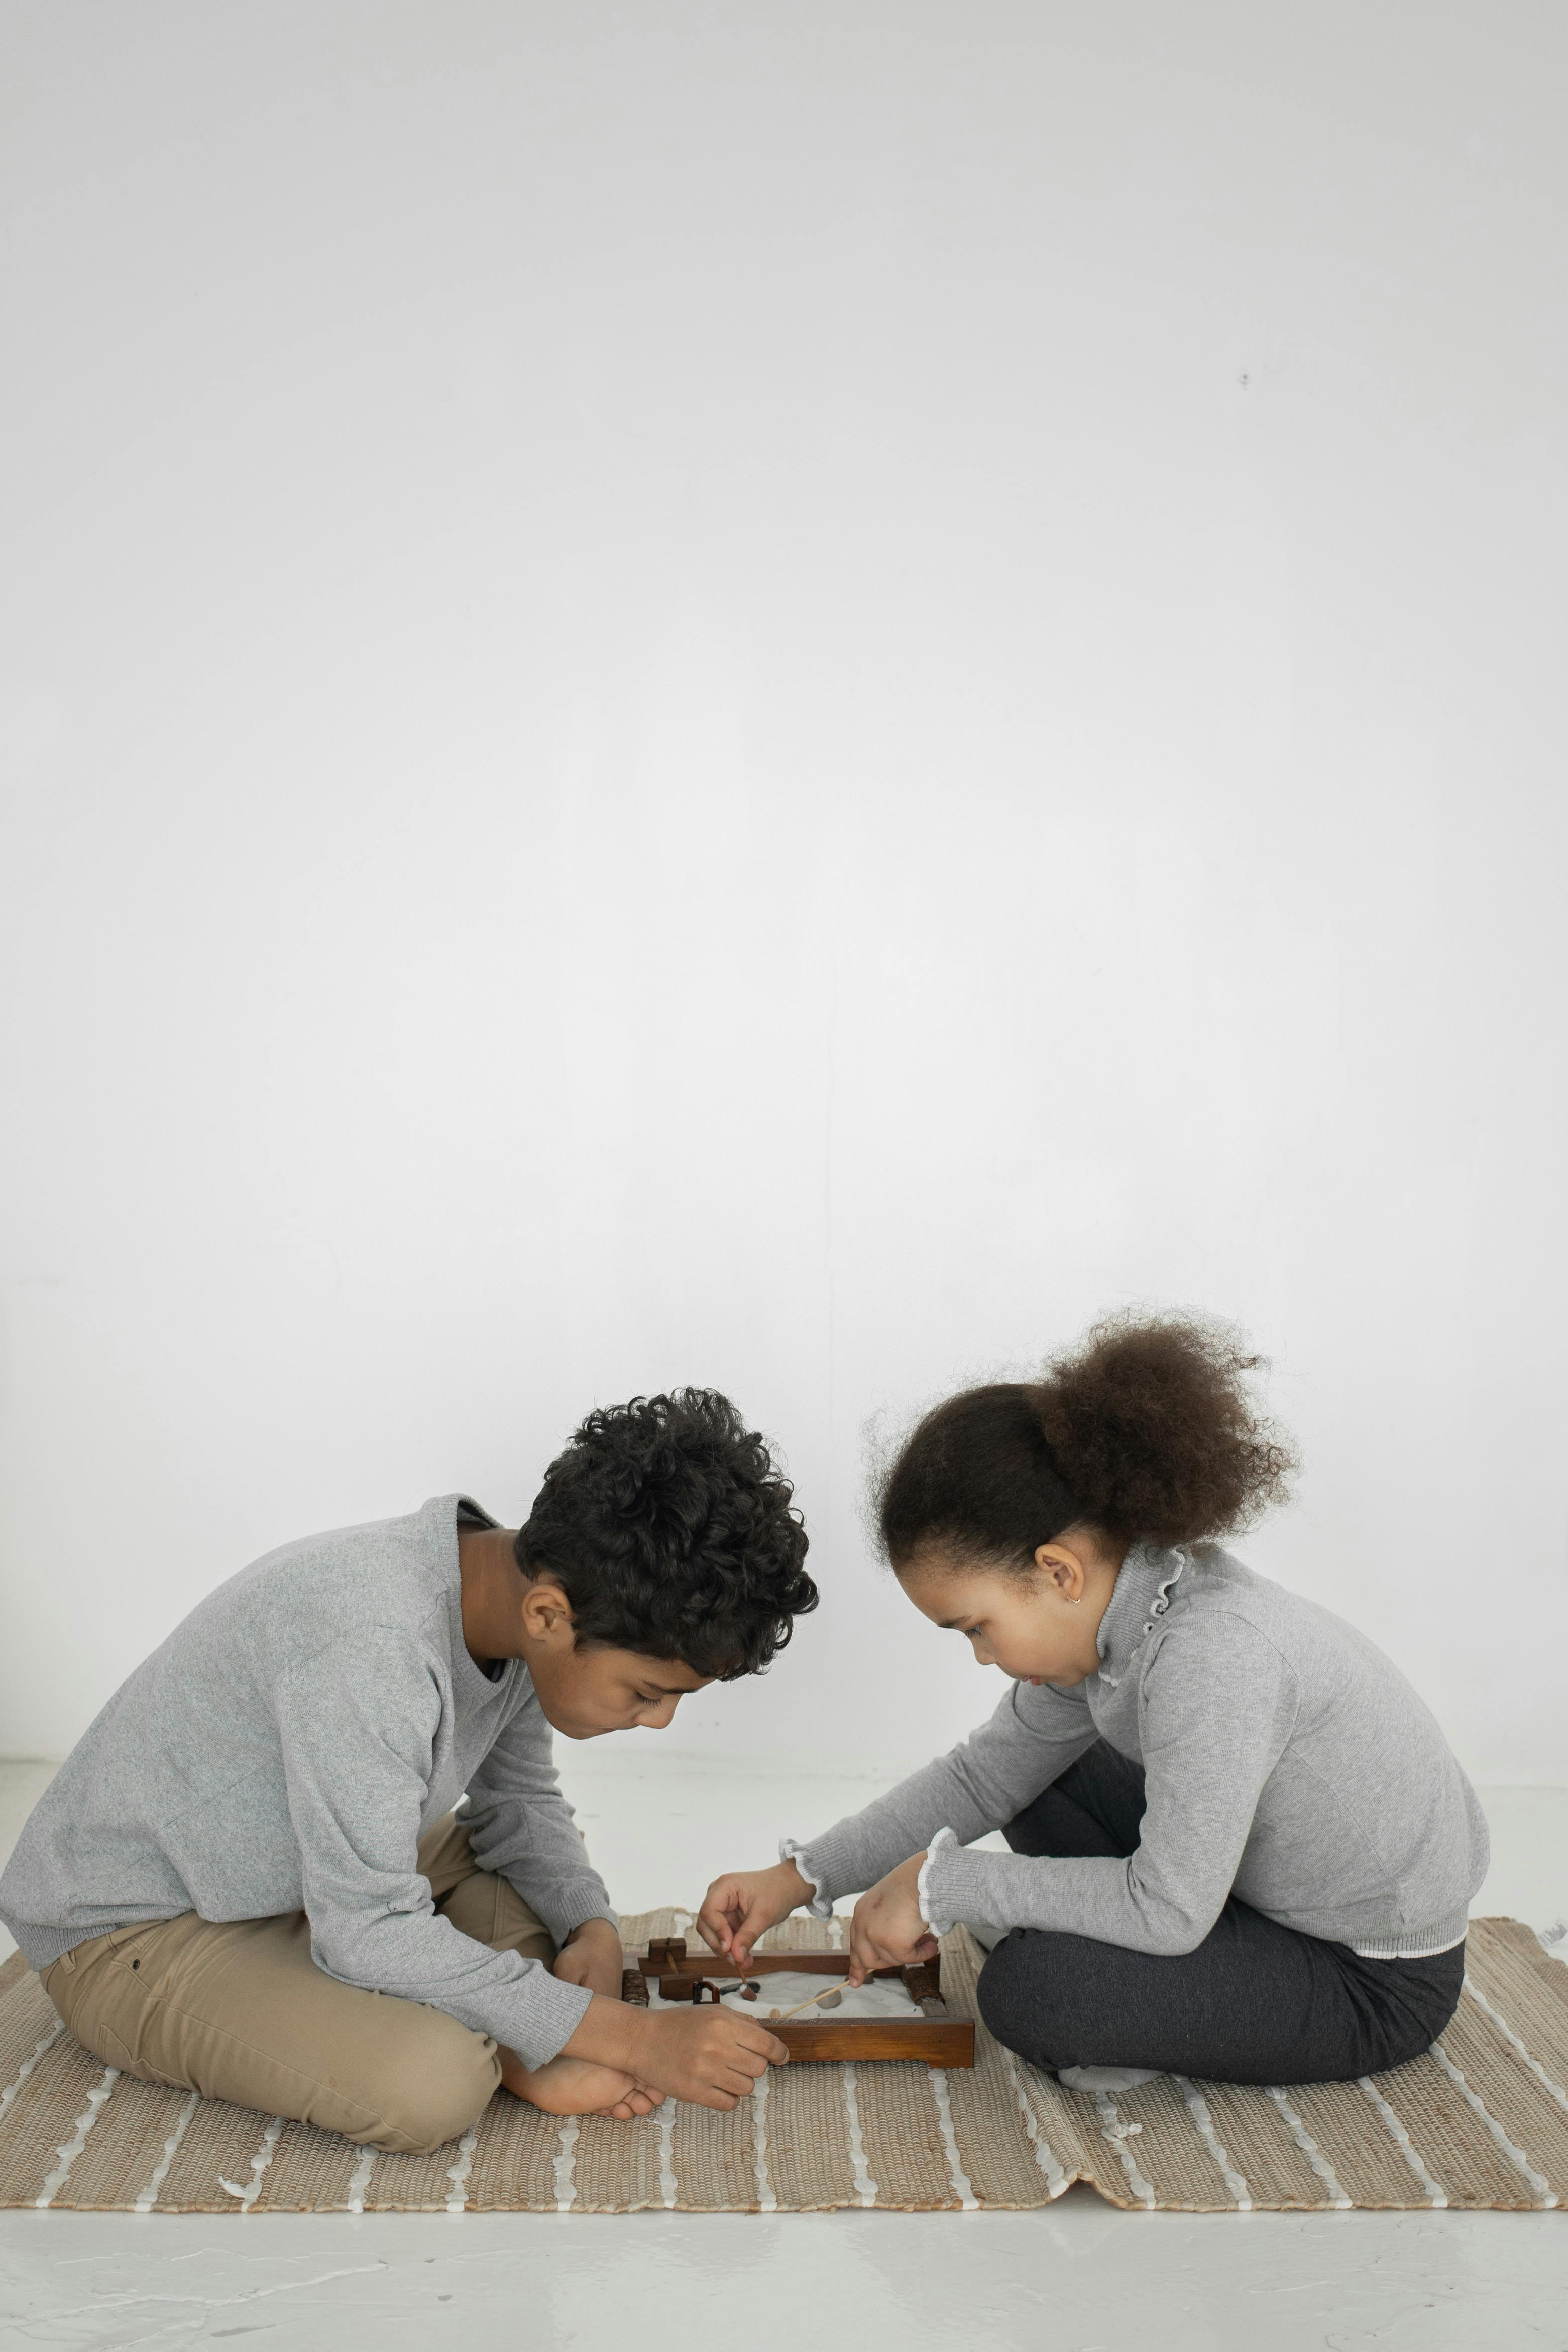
(1482,2121)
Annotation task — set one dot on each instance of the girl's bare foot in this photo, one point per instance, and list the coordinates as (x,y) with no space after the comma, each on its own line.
(577,2087)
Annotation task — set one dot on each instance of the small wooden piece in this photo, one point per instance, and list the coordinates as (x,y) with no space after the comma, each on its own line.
(923,1984)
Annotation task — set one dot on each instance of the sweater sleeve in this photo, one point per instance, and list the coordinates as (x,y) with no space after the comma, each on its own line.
(357,1726)
(1036,1733)
(521,1825)
(1217,1704)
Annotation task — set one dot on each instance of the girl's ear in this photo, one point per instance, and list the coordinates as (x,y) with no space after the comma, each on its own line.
(1062,1569)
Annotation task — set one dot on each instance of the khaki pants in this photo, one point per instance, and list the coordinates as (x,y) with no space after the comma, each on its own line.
(240,2010)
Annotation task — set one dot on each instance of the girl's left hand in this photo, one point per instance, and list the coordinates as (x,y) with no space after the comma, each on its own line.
(592,1955)
(886,1931)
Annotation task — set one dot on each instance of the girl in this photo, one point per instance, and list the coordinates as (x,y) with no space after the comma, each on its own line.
(1241,1847)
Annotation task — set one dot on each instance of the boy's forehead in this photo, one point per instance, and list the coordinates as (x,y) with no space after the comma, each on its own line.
(665,1674)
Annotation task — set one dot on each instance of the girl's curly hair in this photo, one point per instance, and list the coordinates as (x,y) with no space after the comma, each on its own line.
(671,1533)
(1145,1430)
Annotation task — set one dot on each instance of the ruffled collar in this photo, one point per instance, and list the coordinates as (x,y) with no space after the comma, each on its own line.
(1141,1597)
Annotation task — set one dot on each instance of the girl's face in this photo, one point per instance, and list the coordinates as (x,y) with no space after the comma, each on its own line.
(1038,1626)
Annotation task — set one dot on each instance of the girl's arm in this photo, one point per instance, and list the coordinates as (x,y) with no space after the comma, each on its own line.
(1219,1705)
(1036,1733)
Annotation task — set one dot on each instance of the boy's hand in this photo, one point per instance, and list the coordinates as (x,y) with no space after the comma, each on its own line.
(592,1955)
(744,1904)
(888,1931)
(709,2054)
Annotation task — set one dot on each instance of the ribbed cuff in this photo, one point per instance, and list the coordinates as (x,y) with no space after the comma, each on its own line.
(1417,1942)
(821,1905)
(538,2015)
(567,1907)
(599,1911)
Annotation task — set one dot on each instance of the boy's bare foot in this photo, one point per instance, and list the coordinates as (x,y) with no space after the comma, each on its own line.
(577,2087)
(713,2056)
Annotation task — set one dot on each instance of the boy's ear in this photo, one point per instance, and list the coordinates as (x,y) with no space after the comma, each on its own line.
(546,1609)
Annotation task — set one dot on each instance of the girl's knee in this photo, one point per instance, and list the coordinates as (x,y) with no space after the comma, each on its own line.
(1019,1996)
(1000,1990)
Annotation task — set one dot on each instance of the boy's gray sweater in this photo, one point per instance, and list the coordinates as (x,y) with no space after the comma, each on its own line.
(286,1749)
(1285,1762)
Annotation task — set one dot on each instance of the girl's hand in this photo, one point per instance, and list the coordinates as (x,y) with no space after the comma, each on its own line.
(592,1955)
(888,1931)
(740,1907)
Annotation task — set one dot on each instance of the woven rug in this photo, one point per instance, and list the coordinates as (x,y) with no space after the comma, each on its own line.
(1482,2121)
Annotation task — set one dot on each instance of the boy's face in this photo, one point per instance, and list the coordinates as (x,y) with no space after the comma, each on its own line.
(586,1691)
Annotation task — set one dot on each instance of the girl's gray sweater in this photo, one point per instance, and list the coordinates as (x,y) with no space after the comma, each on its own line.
(287,1747)
(1286,1761)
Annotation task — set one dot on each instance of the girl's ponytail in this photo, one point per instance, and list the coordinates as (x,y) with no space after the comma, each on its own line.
(1155,1433)
(1145,1432)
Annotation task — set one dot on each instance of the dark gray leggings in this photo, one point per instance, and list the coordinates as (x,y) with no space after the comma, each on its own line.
(1256,2002)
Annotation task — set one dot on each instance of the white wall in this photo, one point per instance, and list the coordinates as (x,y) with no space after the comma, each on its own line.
(781,695)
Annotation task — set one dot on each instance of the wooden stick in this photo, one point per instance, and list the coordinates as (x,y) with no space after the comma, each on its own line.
(804,2004)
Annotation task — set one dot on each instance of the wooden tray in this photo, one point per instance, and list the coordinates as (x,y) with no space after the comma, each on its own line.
(933,2036)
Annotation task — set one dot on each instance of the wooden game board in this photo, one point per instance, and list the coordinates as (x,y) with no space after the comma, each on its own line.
(930,2035)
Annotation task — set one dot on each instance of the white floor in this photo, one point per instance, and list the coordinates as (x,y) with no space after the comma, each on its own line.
(1077,2278)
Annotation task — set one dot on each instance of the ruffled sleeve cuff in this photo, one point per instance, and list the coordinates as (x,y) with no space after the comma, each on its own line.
(821,1905)
(933,1910)
(979,1889)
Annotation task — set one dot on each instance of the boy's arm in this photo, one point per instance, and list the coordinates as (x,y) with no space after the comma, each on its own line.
(592,1955)
(357,1725)
(521,1825)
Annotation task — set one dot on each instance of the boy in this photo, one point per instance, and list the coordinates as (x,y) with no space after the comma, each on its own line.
(248,1879)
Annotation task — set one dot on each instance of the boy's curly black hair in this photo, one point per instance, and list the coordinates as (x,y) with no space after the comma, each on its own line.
(671,1533)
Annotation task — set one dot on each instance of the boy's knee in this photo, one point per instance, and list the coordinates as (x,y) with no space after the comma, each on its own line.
(435,2082)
